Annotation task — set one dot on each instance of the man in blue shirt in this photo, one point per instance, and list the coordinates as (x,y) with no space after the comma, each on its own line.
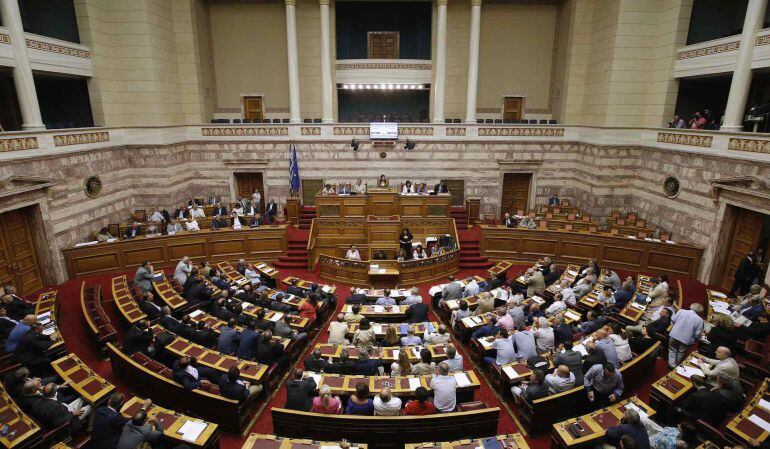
(524,340)
(603,384)
(687,328)
(505,353)
(18,331)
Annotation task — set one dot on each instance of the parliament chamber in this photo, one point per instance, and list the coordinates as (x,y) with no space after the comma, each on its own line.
(371,224)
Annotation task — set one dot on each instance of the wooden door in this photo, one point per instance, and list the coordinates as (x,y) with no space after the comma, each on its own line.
(515,192)
(246,183)
(18,255)
(512,108)
(746,231)
(383,44)
(310,187)
(252,108)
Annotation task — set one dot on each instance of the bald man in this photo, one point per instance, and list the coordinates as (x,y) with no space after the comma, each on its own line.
(722,363)
(560,380)
(385,404)
(437,338)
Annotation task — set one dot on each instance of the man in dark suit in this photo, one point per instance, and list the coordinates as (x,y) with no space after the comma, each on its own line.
(146,305)
(441,187)
(271,211)
(16,306)
(232,386)
(52,414)
(554,200)
(187,372)
(133,231)
(712,404)
(355,297)
(562,331)
(270,352)
(166,215)
(198,293)
(6,323)
(108,422)
(247,348)
(417,313)
(510,222)
(344,366)
(744,275)
(140,430)
(299,392)
(229,337)
(632,426)
(31,349)
(168,321)
(203,335)
(219,310)
(138,338)
(294,288)
(181,212)
(220,210)
(315,362)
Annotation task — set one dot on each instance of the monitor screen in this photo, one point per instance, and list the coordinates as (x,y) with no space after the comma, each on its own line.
(383,131)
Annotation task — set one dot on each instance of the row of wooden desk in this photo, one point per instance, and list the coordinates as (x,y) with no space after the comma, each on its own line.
(402,386)
(388,354)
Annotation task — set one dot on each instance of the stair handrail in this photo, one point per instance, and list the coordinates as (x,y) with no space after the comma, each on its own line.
(311,259)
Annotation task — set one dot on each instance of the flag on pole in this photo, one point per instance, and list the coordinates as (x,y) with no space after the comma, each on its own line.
(293,171)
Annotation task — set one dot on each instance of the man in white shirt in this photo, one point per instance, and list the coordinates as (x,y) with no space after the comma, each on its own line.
(544,337)
(385,404)
(453,360)
(557,306)
(183,269)
(359,188)
(155,216)
(561,380)
(252,209)
(471,287)
(444,388)
(436,338)
(256,198)
(353,253)
(338,331)
(192,225)
(252,274)
(567,294)
(413,298)
(197,212)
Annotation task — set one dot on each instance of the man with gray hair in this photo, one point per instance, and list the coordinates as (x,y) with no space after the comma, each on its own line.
(544,338)
(436,338)
(413,297)
(453,360)
(338,331)
(535,282)
(687,327)
(444,388)
(723,363)
(630,425)
(183,269)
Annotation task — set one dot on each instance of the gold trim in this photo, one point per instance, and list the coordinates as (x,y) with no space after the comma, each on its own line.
(63,140)
(383,66)
(750,145)
(310,131)
(235,131)
(18,144)
(60,49)
(706,51)
(5,39)
(521,132)
(694,140)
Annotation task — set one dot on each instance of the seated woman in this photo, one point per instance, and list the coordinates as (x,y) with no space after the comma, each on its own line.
(405,240)
(360,403)
(382,182)
(353,253)
(408,188)
(401,255)
(104,235)
(192,224)
(236,220)
(238,209)
(421,405)
(419,252)
(326,403)
(328,190)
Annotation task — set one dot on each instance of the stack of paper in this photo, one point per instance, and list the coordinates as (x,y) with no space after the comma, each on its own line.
(462,380)
(638,306)
(379,309)
(395,308)
(191,430)
(452,304)
(316,377)
(326,288)
(760,422)
(414,383)
(261,266)
(381,271)
(765,404)
(77,245)
(572,315)
(581,349)
(276,317)
(377,328)
(44,318)
(416,351)
(374,267)
(689,371)
(195,313)
(510,372)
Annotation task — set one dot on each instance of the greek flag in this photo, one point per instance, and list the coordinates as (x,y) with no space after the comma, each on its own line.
(293,171)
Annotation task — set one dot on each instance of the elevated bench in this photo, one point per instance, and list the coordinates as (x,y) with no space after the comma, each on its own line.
(385,432)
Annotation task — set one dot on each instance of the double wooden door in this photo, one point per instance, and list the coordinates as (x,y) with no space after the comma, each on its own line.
(19,264)
(383,44)
(246,183)
(745,237)
(252,109)
(515,194)
(512,108)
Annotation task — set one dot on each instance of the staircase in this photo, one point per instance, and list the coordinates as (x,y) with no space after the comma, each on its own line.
(470,257)
(306,216)
(461,218)
(296,256)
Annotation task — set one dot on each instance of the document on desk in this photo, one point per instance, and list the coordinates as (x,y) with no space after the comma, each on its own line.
(315,377)
(765,404)
(195,313)
(688,371)
(760,422)
(326,288)
(192,430)
(452,304)
(379,309)
(414,383)
(633,406)
(396,353)
(510,372)
(377,328)
(462,380)
(276,317)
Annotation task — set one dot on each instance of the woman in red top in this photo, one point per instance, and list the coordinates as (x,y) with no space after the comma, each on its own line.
(420,406)
(309,307)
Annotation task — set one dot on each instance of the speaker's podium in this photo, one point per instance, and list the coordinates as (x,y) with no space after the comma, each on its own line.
(383,202)
(383,273)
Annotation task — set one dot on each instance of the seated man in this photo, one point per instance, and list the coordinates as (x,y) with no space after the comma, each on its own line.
(561,380)
(232,386)
(437,338)
(410,339)
(138,338)
(385,404)
(505,352)
(187,372)
(444,388)
(300,391)
(385,299)
(603,384)
(366,366)
(52,414)
(30,351)
(315,362)
(631,426)
(344,366)
(140,430)
(532,390)
(192,225)
(356,297)
(219,222)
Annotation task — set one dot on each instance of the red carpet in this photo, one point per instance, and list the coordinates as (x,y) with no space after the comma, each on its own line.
(79,341)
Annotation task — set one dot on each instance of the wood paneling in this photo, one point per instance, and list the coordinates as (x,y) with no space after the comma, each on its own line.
(252,108)
(521,245)
(512,108)
(18,255)
(383,204)
(515,192)
(246,183)
(746,232)
(383,44)
(266,243)
(309,189)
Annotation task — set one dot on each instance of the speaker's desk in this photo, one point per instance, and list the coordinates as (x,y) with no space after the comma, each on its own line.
(383,202)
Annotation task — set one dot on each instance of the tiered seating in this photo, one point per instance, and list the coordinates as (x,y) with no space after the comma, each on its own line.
(306,285)
(401,328)
(47,312)
(380,313)
(98,322)
(93,388)
(259,441)
(742,428)
(514,441)
(197,432)
(401,386)
(23,432)
(388,355)
(631,224)
(125,301)
(167,293)
(154,380)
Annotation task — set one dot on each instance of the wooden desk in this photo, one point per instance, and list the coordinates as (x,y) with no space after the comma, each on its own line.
(23,432)
(383,277)
(594,424)
(740,428)
(500,269)
(386,354)
(522,245)
(166,292)
(48,302)
(515,441)
(89,385)
(127,307)
(266,242)
(673,387)
(172,422)
(306,285)
(380,313)
(259,441)
(266,269)
(401,328)
(215,324)
(401,386)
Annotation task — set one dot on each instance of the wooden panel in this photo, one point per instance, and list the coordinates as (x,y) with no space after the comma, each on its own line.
(227,248)
(19,251)
(538,247)
(411,210)
(579,250)
(512,108)
(309,189)
(96,263)
(383,44)
(265,245)
(503,244)
(746,232)
(135,256)
(195,248)
(621,255)
(252,108)
(669,262)
(246,183)
(515,192)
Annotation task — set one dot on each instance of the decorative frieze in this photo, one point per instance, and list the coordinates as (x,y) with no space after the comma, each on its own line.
(63,140)
(706,51)
(415,130)
(56,48)
(455,131)
(242,131)
(750,145)
(310,131)
(18,144)
(5,39)
(694,140)
(763,40)
(351,131)
(383,66)
(518,131)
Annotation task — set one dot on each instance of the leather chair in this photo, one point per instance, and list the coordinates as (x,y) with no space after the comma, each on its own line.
(469,406)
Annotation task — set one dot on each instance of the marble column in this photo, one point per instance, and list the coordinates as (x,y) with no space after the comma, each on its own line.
(22,73)
(291,51)
(327,88)
(741,82)
(473,61)
(439,62)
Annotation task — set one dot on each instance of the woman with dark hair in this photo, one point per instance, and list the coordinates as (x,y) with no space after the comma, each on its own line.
(360,403)
(405,240)
(382,182)
(420,405)
(309,307)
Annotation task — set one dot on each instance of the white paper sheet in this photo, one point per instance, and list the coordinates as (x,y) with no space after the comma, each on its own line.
(452,304)
(377,328)
(191,430)
(414,383)
(760,422)
(195,313)
(379,309)
(509,371)
(717,294)
(581,349)
(261,266)
(641,412)
(688,371)
(277,317)
(765,404)
(326,288)
(316,377)
(462,380)
(396,353)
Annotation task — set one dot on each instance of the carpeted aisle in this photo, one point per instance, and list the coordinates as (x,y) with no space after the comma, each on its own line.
(79,341)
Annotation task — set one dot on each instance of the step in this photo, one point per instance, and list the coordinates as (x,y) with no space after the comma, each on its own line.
(297,253)
(297,265)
